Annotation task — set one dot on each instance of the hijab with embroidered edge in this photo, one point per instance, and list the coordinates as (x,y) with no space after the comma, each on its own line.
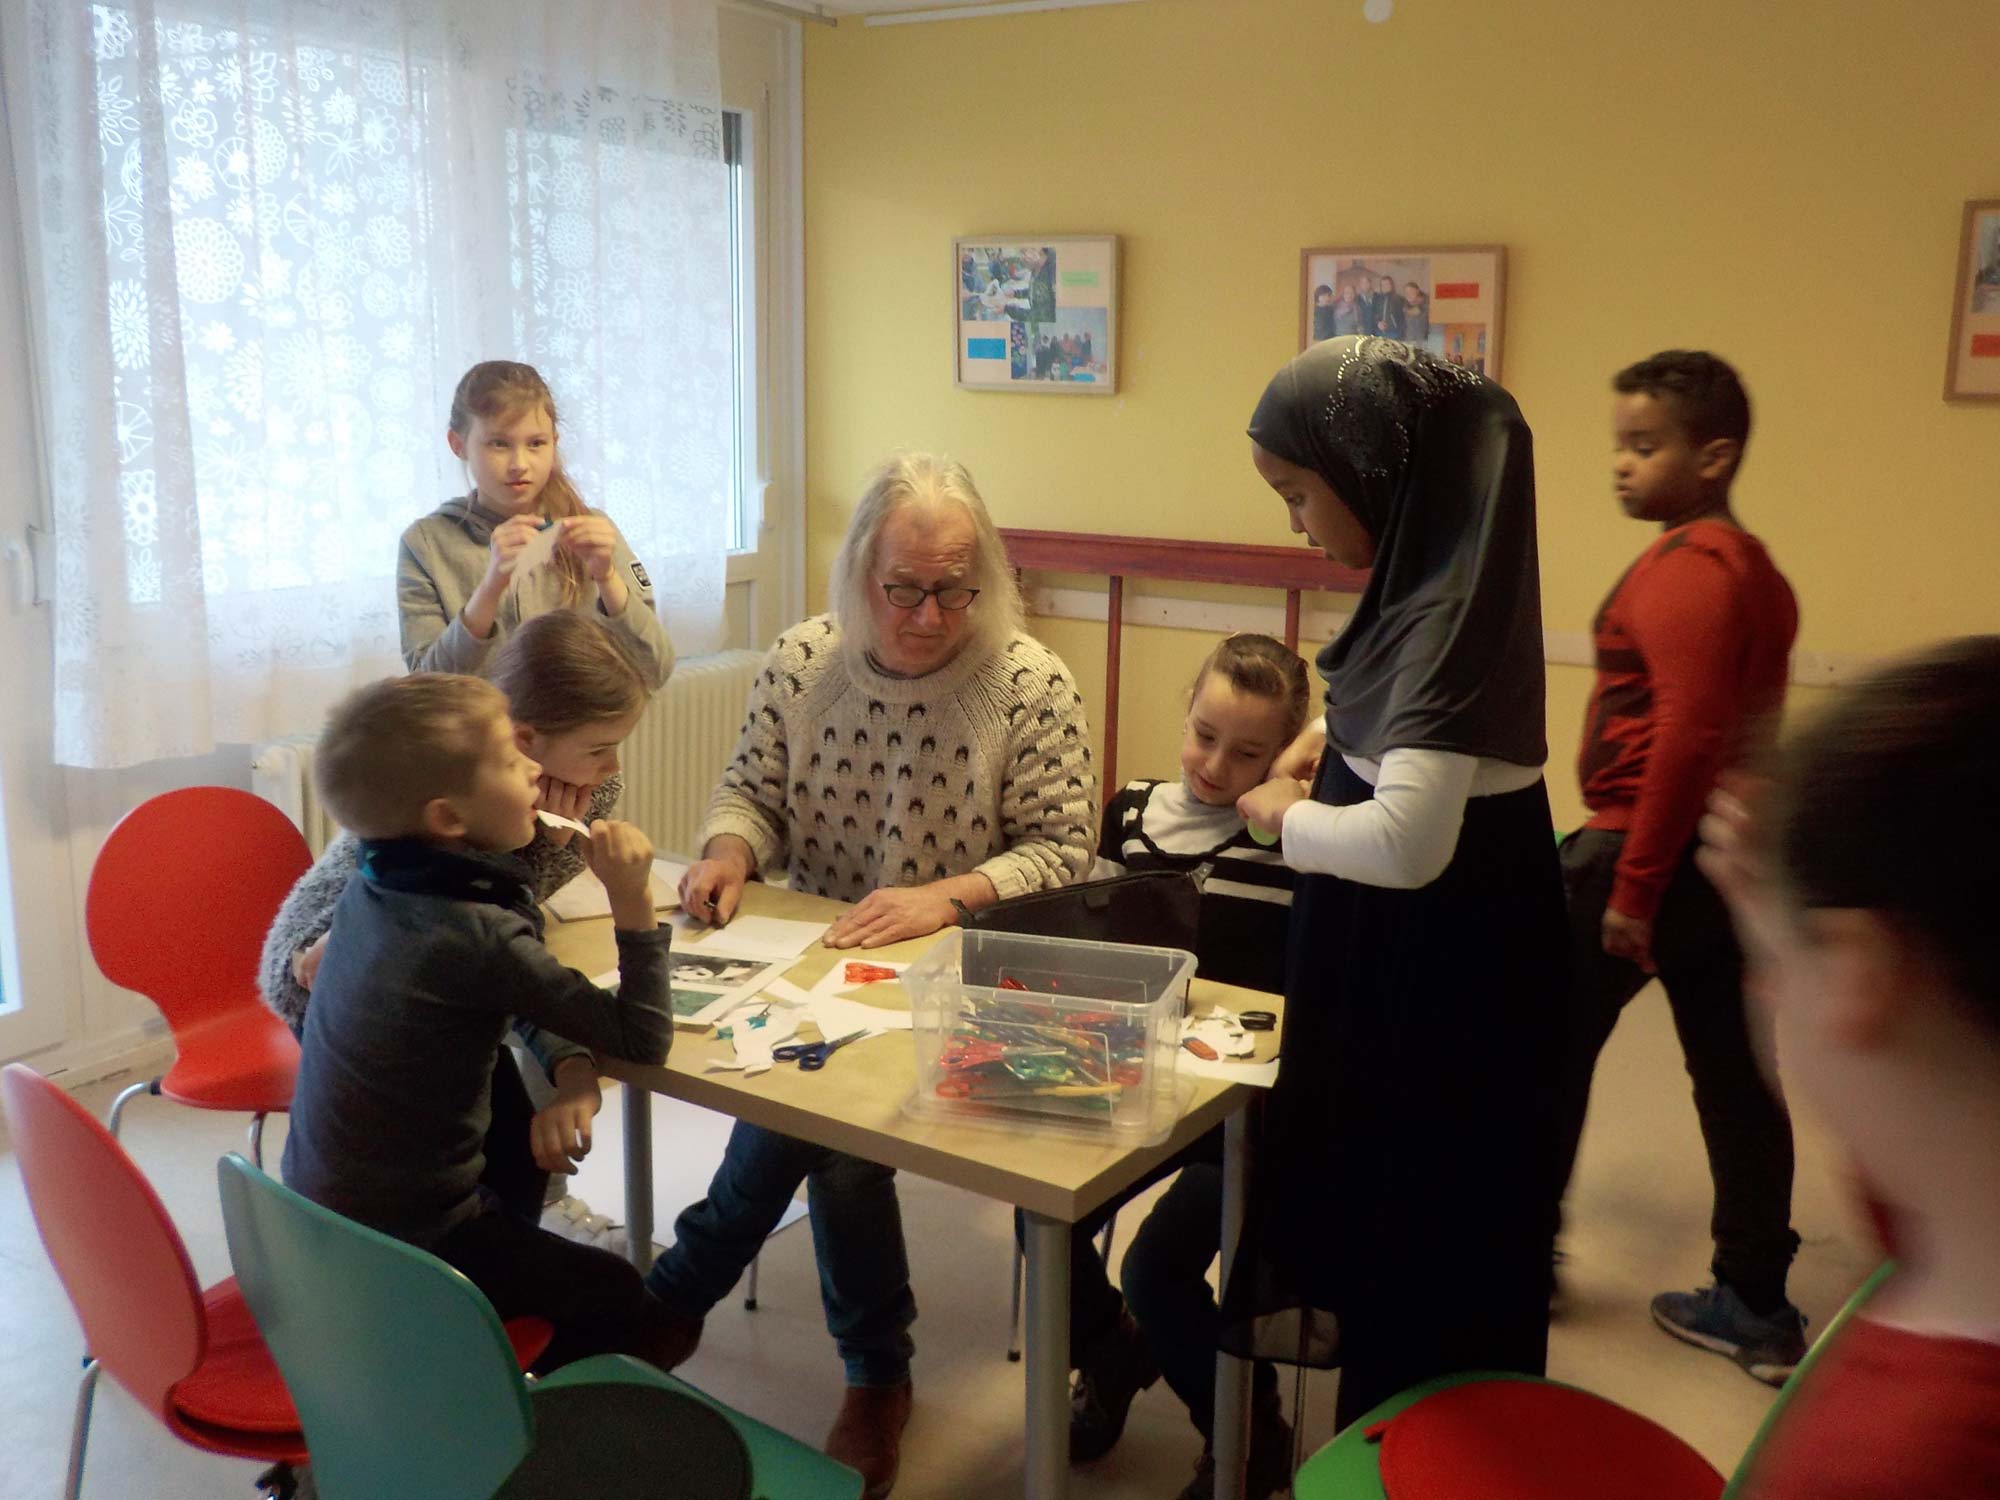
(1444,648)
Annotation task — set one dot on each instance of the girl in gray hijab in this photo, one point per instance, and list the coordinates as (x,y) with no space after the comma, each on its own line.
(1399,1226)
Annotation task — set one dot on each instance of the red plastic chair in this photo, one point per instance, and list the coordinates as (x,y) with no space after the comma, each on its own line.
(193,1359)
(180,898)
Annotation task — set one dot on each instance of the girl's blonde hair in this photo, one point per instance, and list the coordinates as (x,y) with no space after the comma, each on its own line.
(1266,668)
(498,389)
(565,669)
(994,618)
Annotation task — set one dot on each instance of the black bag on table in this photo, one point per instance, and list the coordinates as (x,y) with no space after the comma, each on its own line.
(1153,909)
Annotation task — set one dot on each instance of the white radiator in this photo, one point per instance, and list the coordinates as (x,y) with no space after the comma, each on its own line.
(672,761)
(281,773)
(676,755)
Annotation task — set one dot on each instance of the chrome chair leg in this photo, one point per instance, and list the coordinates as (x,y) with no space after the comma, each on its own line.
(257,1140)
(750,1290)
(79,1433)
(125,1097)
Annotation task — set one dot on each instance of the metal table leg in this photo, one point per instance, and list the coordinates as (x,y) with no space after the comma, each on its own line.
(1048,1358)
(1232,1375)
(639,1176)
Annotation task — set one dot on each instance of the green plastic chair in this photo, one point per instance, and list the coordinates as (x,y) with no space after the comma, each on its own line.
(1348,1468)
(407,1388)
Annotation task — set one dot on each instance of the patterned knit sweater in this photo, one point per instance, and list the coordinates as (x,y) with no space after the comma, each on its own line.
(852,780)
(308,910)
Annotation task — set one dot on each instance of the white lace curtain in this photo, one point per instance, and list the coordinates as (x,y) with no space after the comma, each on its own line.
(269,235)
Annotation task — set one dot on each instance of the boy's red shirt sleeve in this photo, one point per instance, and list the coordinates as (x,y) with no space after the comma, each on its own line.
(1689,623)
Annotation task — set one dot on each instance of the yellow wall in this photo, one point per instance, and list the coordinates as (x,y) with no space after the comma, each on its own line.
(1781,183)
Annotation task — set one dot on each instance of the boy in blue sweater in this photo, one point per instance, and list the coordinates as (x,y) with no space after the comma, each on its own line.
(440,946)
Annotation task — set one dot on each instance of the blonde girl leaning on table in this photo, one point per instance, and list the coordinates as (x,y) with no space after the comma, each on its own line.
(574,693)
(455,586)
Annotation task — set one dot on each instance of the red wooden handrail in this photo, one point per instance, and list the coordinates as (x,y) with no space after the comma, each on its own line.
(1293,569)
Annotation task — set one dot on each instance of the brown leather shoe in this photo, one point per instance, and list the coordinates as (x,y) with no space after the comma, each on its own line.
(868,1434)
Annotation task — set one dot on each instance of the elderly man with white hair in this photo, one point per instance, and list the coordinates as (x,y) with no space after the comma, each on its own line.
(912,751)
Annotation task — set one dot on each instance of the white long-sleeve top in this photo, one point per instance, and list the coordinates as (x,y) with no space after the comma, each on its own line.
(1404,836)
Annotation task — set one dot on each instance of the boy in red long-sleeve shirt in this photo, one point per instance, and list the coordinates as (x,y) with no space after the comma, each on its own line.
(1692,651)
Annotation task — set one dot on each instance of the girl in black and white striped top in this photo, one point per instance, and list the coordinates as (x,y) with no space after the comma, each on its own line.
(1249,701)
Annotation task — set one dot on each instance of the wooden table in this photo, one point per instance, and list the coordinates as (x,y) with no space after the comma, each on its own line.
(856,1105)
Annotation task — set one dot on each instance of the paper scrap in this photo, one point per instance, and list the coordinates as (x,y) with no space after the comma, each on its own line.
(557,820)
(1259,1075)
(1221,1032)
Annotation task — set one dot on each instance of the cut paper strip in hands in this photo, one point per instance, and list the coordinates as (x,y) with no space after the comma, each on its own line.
(536,554)
(557,820)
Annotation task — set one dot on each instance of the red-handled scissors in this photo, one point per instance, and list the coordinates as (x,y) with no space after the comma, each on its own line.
(812,1056)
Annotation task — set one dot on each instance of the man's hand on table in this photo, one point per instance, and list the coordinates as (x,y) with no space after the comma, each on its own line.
(712,888)
(894,913)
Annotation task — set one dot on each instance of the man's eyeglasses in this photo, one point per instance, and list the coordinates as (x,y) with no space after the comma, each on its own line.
(909,595)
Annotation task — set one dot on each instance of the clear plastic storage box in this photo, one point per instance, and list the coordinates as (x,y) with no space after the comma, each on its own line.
(1013,1028)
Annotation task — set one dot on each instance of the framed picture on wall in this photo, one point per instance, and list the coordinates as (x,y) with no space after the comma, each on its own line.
(1444,298)
(1972,372)
(1036,312)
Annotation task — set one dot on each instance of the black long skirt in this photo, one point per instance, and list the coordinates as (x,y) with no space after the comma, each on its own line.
(1399,1221)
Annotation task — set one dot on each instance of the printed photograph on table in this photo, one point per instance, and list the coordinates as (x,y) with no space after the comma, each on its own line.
(1444,298)
(1036,313)
(714,970)
(1973,370)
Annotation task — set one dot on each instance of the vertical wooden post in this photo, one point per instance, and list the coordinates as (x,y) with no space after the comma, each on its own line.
(1292,618)
(1114,627)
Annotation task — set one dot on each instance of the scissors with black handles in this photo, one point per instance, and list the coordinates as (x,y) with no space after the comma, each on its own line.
(812,1056)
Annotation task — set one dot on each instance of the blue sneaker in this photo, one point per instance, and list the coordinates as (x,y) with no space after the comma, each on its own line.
(1716,1319)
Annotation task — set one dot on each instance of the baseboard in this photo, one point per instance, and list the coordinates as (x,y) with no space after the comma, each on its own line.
(135,1050)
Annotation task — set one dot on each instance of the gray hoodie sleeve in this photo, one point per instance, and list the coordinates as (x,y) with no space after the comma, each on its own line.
(305,916)
(639,626)
(434,635)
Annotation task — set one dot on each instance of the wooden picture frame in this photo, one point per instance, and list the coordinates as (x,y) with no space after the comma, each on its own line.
(1461,297)
(1035,312)
(1972,367)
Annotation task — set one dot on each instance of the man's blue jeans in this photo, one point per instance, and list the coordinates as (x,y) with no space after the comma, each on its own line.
(857,1226)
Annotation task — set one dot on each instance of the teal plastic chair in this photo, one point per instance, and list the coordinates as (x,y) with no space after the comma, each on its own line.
(407,1387)
(1349,1467)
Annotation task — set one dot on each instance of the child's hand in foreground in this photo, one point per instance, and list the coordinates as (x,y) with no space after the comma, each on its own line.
(560,1134)
(1264,807)
(622,857)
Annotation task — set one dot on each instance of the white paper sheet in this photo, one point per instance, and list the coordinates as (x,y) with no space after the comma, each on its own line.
(585,897)
(835,982)
(837,1016)
(771,938)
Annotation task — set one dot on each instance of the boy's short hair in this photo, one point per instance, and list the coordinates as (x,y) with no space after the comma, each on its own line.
(392,747)
(1707,394)
(1322,290)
